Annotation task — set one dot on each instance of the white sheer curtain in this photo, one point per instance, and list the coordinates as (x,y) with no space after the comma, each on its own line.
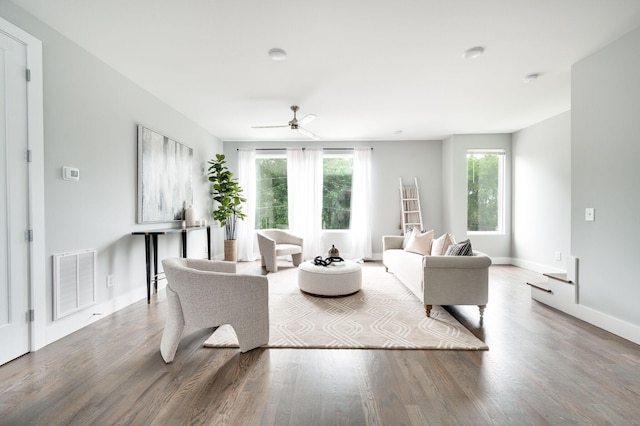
(246,228)
(304,186)
(360,228)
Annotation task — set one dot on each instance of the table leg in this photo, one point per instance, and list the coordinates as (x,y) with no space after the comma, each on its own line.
(155,263)
(147,252)
(184,243)
(209,242)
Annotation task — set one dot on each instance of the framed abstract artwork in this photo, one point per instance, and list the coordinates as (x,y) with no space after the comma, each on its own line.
(164,177)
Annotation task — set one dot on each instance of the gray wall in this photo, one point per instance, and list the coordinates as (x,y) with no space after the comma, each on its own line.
(605,153)
(90,118)
(542,195)
(454,164)
(390,161)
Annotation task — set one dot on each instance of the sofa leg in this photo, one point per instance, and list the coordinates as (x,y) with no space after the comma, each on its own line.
(386,269)
(481,307)
(428,309)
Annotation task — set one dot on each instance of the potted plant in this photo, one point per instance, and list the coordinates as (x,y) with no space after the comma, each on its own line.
(228,194)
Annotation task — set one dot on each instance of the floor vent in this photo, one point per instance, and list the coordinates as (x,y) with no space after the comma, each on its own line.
(74,282)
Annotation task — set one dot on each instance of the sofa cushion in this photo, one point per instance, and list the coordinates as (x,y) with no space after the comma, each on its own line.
(463,248)
(420,243)
(441,244)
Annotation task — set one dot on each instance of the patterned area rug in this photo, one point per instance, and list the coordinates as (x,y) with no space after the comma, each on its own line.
(384,314)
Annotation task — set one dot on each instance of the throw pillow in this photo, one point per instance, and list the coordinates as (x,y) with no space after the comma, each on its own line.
(441,244)
(407,237)
(463,248)
(420,243)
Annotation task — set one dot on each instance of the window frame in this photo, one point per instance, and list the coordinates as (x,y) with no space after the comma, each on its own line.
(345,155)
(501,196)
(266,156)
(283,155)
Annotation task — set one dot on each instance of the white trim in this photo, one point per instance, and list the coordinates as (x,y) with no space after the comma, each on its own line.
(501,261)
(535,267)
(72,323)
(565,302)
(35,128)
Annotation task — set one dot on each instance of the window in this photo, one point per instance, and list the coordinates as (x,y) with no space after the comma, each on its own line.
(271,187)
(485,190)
(336,191)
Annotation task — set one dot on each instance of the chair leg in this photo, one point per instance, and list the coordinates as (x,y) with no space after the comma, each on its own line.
(271,264)
(172,328)
(481,307)
(428,309)
(253,330)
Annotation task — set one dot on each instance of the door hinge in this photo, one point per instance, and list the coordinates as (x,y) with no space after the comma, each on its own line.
(31,315)
(29,156)
(30,235)
(28,74)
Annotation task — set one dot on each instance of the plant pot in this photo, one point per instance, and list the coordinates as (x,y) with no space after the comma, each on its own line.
(230,250)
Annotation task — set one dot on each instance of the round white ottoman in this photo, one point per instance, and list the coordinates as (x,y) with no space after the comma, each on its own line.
(337,279)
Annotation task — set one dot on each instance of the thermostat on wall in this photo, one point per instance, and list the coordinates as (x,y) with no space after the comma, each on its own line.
(70,173)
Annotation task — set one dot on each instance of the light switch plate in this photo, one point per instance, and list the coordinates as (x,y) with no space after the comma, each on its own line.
(590,214)
(70,173)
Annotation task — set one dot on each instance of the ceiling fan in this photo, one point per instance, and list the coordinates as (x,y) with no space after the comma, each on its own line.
(295,124)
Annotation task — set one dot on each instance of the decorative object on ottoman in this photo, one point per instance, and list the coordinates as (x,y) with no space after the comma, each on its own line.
(318,260)
(334,252)
(335,279)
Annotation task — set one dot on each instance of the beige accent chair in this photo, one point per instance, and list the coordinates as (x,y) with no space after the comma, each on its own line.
(209,293)
(277,242)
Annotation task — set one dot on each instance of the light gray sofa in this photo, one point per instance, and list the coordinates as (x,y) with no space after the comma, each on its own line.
(439,280)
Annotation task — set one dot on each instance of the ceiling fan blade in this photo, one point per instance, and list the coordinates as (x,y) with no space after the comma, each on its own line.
(268,127)
(308,134)
(307,118)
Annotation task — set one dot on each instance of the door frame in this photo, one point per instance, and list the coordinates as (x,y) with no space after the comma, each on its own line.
(35,143)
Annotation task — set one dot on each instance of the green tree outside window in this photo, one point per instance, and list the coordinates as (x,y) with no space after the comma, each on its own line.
(272,202)
(484,191)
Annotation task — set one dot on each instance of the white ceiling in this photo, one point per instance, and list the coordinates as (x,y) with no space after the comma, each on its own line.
(367,68)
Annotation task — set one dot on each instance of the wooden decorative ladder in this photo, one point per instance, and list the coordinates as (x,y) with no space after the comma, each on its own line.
(410,206)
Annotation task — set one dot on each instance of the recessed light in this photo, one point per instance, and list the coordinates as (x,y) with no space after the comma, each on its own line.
(531,78)
(397,132)
(277,54)
(473,53)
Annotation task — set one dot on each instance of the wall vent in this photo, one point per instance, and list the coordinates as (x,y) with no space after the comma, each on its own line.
(74,282)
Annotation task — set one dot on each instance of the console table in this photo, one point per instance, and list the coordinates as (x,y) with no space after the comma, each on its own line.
(151,240)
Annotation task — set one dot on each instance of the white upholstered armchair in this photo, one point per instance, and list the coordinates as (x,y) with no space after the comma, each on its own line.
(208,293)
(277,242)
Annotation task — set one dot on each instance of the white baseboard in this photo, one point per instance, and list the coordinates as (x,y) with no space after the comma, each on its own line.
(56,330)
(604,321)
(501,261)
(533,266)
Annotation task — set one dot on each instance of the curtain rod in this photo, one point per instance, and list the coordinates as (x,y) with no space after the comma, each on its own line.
(284,149)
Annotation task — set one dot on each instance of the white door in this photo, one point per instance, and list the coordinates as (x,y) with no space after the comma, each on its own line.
(14,199)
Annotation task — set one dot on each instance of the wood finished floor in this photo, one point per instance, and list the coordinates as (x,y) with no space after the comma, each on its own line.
(543,367)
